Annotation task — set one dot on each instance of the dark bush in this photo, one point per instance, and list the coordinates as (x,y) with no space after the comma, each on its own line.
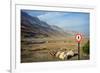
(86,48)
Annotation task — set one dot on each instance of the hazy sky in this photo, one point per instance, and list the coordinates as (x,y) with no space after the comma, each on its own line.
(74,21)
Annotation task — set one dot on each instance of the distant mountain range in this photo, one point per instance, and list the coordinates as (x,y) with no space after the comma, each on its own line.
(34,27)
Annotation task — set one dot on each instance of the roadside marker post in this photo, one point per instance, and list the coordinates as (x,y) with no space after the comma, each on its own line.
(78,38)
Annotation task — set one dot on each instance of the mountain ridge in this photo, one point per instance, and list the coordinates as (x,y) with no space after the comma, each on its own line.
(34,27)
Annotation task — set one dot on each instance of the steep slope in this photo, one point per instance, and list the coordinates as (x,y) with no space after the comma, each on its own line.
(34,27)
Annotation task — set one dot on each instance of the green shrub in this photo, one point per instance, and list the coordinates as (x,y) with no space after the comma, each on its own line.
(86,48)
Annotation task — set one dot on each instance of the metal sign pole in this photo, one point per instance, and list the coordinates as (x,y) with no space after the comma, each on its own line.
(78,50)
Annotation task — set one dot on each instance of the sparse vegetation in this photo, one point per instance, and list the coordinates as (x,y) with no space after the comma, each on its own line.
(41,52)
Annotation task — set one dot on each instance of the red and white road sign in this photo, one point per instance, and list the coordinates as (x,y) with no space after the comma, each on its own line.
(78,37)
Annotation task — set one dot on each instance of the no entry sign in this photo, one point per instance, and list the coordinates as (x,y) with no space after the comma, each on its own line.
(78,37)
